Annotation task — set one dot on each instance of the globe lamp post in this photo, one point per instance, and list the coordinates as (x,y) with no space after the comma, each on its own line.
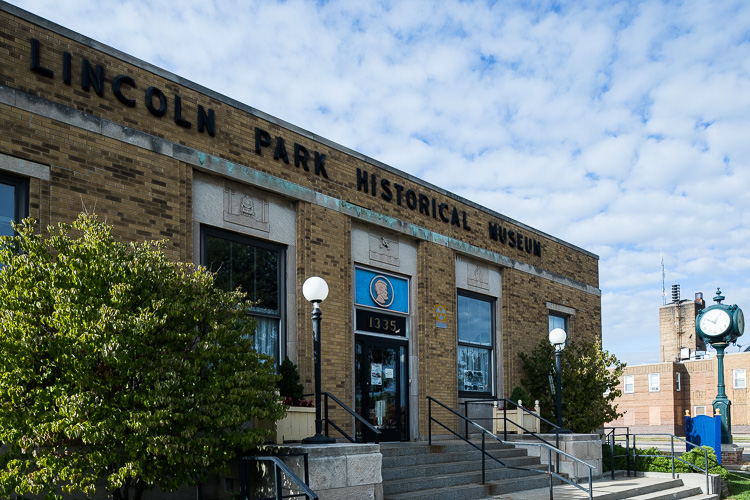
(315,290)
(557,338)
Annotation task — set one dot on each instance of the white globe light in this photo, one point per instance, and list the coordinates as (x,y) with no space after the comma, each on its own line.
(315,289)
(557,336)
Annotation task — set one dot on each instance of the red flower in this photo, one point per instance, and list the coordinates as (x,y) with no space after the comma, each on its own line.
(299,402)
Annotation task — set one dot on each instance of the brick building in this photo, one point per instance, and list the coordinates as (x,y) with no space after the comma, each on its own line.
(656,396)
(430,294)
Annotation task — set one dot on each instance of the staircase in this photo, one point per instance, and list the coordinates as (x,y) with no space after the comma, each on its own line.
(452,470)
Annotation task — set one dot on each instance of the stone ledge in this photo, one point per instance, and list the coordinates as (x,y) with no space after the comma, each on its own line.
(340,470)
(586,447)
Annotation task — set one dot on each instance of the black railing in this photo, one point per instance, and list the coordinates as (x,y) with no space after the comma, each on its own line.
(554,428)
(611,436)
(280,471)
(327,420)
(505,402)
(485,454)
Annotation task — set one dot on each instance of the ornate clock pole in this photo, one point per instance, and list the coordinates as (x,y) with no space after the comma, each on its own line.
(722,403)
(720,325)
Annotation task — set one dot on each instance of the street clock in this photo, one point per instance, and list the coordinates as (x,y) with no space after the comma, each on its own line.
(720,323)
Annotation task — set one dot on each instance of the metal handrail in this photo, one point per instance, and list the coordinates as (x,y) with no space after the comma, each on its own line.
(673,457)
(279,468)
(612,449)
(354,414)
(550,449)
(555,429)
(505,419)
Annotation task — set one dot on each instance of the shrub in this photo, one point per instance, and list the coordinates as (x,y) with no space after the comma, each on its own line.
(663,463)
(289,386)
(519,393)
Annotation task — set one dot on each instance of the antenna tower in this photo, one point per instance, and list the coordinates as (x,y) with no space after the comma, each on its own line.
(663,277)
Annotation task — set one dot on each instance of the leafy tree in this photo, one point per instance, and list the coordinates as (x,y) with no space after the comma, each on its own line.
(590,377)
(120,366)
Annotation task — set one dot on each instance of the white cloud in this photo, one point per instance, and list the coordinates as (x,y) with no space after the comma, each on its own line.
(619,127)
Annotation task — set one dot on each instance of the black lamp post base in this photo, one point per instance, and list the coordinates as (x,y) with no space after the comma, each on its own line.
(318,439)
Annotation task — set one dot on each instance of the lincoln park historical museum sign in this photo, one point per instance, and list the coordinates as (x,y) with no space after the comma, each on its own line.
(125,89)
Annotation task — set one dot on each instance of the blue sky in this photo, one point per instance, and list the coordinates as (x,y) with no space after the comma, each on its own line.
(620,127)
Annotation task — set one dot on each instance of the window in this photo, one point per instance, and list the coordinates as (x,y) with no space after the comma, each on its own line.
(14,202)
(677,382)
(559,321)
(699,410)
(653,382)
(257,268)
(738,379)
(475,326)
(629,382)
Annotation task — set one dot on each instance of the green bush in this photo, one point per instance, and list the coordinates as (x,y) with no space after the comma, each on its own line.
(658,462)
(289,385)
(696,457)
(519,393)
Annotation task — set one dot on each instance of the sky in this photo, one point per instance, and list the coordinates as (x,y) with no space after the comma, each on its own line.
(620,127)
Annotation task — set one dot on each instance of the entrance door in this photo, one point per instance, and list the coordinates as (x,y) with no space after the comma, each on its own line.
(381,388)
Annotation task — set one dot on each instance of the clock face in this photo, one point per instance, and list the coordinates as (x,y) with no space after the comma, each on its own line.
(715,322)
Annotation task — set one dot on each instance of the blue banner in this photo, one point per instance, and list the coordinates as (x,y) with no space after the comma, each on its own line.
(383,291)
(704,431)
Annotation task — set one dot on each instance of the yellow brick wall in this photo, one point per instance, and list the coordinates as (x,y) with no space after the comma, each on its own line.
(148,195)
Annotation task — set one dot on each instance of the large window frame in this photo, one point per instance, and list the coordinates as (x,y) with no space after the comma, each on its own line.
(15,208)
(266,317)
(478,351)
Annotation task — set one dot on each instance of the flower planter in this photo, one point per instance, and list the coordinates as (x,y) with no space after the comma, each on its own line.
(298,424)
(517,416)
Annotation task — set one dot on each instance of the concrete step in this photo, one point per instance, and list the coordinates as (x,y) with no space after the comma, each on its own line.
(473,491)
(392,473)
(640,488)
(398,449)
(432,480)
(677,493)
(452,470)
(403,460)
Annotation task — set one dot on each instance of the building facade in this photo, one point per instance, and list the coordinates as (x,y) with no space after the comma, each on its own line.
(657,396)
(430,294)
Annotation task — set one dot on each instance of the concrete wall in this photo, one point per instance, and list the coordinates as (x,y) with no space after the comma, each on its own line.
(585,447)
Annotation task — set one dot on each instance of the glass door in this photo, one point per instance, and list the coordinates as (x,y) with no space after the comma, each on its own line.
(381,388)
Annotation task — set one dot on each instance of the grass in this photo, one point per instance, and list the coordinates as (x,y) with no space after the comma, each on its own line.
(739,485)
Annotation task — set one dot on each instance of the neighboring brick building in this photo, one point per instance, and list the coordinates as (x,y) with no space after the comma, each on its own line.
(677,328)
(656,396)
(430,294)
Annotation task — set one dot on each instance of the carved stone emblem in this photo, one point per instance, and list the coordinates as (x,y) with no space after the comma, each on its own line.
(478,276)
(384,249)
(246,209)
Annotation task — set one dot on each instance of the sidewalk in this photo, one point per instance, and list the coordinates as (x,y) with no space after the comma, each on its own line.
(602,488)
